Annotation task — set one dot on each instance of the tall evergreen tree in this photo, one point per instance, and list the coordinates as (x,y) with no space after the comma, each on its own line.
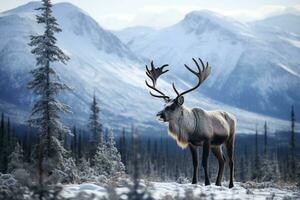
(293,122)
(255,173)
(74,145)
(292,141)
(79,148)
(46,85)
(265,138)
(95,126)
(2,134)
(8,136)
(123,146)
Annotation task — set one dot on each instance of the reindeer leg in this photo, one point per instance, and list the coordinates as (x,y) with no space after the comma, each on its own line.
(230,152)
(205,155)
(217,151)
(195,162)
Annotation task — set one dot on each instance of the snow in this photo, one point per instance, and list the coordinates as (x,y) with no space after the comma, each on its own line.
(159,190)
(295,43)
(288,69)
(72,190)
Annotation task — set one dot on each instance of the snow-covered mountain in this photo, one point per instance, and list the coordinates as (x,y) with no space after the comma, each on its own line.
(254,66)
(101,63)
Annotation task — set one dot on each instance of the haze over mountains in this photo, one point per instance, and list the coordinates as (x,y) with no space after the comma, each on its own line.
(254,68)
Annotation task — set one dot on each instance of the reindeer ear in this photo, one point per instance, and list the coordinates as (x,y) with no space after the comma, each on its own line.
(180,100)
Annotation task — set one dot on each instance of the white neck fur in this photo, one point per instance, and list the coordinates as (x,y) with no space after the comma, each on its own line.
(182,125)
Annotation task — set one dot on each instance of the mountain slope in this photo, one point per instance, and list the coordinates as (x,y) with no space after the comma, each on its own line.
(99,63)
(253,67)
(287,21)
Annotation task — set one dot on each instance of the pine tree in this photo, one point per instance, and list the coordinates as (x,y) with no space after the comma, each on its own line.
(292,141)
(46,85)
(74,144)
(95,126)
(265,139)
(7,145)
(123,146)
(79,148)
(255,174)
(2,152)
(27,144)
(117,167)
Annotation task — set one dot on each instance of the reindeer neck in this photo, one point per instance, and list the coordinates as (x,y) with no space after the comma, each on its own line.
(183,123)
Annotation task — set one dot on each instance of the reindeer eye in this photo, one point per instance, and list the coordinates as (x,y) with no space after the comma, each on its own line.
(171,107)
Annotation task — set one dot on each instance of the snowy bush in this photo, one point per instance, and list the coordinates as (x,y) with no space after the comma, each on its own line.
(11,189)
(269,171)
(182,180)
(22,176)
(7,180)
(68,172)
(50,192)
(101,179)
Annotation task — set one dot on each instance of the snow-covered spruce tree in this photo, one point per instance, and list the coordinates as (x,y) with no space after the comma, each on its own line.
(86,173)
(107,160)
(117,168)
(46,85)
(16,159)
(95,127)
(102,163)
(18,167)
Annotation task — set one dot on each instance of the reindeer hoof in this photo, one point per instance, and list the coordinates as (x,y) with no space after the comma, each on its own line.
(218,184)
(207,183)
(194,182)
(231,185)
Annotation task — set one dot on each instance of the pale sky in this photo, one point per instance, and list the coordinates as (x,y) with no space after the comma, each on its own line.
(118,14)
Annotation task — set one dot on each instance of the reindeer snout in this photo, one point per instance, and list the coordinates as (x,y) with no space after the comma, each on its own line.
(161,116)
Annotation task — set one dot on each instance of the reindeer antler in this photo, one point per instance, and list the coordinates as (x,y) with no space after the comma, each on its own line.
(202,74)
(153,74)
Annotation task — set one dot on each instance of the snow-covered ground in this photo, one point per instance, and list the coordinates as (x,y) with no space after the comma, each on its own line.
(170,190)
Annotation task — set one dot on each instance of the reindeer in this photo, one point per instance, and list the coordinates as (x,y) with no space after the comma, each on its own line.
(196,127)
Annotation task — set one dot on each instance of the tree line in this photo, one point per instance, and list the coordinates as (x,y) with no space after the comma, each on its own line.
(259,157)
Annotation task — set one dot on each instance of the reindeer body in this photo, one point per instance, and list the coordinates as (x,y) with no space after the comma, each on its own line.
(193,126)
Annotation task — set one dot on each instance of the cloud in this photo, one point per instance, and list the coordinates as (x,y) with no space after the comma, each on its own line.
(260,13)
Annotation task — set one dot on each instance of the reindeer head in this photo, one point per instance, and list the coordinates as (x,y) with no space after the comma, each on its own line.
(172,106)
